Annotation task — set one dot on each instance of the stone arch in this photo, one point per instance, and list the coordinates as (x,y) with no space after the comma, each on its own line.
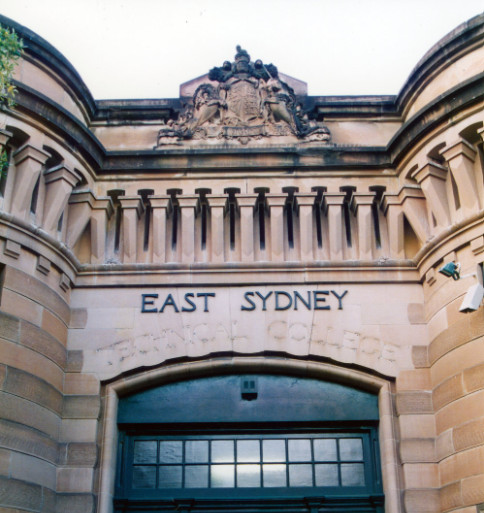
(268,365)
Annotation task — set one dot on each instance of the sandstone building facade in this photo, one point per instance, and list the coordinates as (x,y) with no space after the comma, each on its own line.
(232,300)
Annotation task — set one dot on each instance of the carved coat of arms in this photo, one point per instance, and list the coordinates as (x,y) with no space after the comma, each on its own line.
(250,101)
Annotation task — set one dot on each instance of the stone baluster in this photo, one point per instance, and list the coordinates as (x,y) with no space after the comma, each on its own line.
(461,157)
(59,182)
(103,209)
(333,204)
(305,202)
(432,179)
(217,204)
(159,209)
(28,161)
(276,204)
(246,204)
(362,203)
(188,205)
(132,207)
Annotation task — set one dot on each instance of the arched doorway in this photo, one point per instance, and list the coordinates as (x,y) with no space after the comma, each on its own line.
(249,442)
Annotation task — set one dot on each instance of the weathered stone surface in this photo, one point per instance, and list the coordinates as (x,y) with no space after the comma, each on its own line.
(9,327)
(27,440)
(81,454)
(414,402)
(17,494)
(81,407)
(34,389)
(41,341)
(37,291)
(75,503)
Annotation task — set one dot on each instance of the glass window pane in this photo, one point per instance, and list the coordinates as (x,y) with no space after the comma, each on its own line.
(326,475)
(248,476)
(325,449)
(144,477)
(273,450)
(144,452)
(300,450)
(274,475)
(196,451)
(222,451)
(350,449)
(300,475)
(170,477)
(248,450)
(222,476)
(196,476)
(171,452)
(352,474)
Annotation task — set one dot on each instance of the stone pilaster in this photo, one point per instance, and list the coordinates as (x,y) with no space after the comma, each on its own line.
(246,204)
(305,202)
(217,204)
(361,203)
(276,204)
(460,158)
(333,205)
(103,209)
(132,207)
(59,182)
(28,161)
(159,208)
(432,178)
(187,209)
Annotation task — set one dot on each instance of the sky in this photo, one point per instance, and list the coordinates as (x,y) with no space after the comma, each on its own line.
(133,49)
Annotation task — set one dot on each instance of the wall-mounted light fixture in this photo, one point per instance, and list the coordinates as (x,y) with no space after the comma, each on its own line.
(451,270)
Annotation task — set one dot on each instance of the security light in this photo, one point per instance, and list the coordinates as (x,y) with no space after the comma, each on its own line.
(451,269)
(472,299)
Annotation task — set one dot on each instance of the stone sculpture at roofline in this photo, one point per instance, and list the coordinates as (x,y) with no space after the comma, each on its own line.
(242,101)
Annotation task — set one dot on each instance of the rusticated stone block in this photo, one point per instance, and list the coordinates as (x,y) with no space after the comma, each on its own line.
(36,390)
(444,445)
(75,503)
(422,501)
(3,375)
(474,378)
(451,496)
(24,412)
(78,318)
(75,359)
(23,358)
(421,475)
(416,313)
(35,338)
(18,305)
(410,380)
(74,480)
(417,426)
(448,391)
(20,495)
(33,470)
(414,402)
(9,327)
(473,490)
(81,454)
(455,335)
(78,430)
(49,500)
(37,291)
(476,322)
(5,462)
(54,326)
(417,450)
(462,465)
(24,439)
(468,435)
(459,412)
(420,356)
(81,407)
(81,384)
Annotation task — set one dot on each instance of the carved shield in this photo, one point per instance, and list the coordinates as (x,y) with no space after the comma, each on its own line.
(243,100)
